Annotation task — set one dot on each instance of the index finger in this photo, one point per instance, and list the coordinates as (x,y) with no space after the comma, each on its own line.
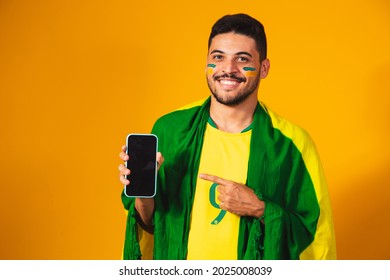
(214,179)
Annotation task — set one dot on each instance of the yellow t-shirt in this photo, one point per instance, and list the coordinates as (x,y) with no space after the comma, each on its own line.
(214,232)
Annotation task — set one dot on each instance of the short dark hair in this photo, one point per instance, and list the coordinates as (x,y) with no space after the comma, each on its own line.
(242,24)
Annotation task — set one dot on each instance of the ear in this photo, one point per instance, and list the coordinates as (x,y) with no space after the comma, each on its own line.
(264,68)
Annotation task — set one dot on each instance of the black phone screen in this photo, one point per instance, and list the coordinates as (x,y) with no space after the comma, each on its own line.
(142,149)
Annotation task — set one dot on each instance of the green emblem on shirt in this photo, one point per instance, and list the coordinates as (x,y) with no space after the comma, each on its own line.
(213,202)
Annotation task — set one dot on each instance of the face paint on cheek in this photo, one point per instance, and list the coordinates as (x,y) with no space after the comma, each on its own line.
(250,71)
(210,68)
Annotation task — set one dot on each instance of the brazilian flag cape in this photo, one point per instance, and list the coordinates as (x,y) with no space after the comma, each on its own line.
(283,170)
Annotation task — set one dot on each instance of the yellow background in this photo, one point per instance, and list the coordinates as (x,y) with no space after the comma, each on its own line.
(77,76)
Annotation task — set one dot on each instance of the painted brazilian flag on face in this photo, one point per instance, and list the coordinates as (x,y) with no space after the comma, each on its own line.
(284,170)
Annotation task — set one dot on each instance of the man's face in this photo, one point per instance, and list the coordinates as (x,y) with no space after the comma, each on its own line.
(233,68)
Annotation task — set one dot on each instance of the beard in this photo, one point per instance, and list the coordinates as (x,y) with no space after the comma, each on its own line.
(233,100)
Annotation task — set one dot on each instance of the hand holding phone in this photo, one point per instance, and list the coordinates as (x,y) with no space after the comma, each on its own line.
(142,150)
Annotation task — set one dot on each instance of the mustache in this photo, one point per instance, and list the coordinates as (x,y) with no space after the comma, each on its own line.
(229,76)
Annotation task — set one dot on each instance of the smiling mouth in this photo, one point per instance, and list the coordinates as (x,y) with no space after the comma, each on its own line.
(228,82)
(231,79)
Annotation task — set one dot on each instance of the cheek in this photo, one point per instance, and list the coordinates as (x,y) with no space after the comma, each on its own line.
(210,69)
(250,71)
(251,74)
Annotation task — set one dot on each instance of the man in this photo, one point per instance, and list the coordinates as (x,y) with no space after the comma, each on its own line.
(238,181)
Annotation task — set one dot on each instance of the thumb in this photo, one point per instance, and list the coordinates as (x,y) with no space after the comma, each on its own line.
(160,159)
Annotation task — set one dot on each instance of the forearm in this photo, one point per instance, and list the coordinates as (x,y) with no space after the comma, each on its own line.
(145,209)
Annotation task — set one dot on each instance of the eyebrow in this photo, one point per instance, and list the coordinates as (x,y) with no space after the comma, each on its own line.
(239,53)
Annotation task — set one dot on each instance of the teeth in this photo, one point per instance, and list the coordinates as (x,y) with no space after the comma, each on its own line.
(228,82)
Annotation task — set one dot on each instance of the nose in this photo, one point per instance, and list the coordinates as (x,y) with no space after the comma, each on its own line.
(229,66)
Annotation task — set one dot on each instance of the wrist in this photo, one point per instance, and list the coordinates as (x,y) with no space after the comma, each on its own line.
(145,210)
(260,213)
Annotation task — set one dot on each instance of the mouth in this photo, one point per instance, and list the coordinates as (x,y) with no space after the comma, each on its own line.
(229,81)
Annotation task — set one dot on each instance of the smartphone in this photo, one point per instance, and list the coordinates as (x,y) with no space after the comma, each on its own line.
(142,150)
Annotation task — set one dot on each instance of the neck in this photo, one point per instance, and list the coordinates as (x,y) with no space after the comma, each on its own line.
(233,119)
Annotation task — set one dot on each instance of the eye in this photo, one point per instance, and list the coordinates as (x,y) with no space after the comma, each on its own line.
(217,57)
(242,59)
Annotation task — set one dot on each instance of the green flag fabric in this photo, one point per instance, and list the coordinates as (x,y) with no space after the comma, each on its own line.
(284,170)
